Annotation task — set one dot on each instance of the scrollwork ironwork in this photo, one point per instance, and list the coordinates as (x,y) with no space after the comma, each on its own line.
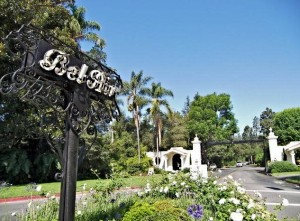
(33,54)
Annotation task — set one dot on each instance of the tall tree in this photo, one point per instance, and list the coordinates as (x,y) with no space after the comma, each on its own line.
(186,107)
(176,134)
(287,125)
(211,117)
(158,94)
(266,121)
(135,90)
(256,126)
(84,30)
(248,133)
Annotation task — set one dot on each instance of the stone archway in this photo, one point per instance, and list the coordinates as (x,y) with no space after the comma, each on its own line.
(176,162)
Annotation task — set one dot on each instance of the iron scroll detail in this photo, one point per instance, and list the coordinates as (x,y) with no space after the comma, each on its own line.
(48,72)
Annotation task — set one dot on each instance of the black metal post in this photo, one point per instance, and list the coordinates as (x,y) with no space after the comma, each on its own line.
(69,176)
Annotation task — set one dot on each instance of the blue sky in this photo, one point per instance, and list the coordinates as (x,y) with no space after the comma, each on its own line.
(249,49)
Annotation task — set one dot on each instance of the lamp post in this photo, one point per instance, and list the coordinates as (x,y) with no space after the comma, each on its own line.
(78,90)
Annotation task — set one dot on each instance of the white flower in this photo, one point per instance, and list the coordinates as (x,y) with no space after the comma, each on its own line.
(166,189)
(234,201)
(177,195)
(241,190)
(220,171)
(174,183)
(84,187)
(13,214)
(222,188)
(222,201)
(79,212)
(210,219)
(38,188)
(258,194)
(236,216)
(182,184)
(250,205)
(29,204)
(285,202)
(253,216)
(236,183)
(161,189)
(215,182)
(147,190)
(48,195)
(239,210)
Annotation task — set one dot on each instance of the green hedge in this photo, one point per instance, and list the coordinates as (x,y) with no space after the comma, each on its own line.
(282,166)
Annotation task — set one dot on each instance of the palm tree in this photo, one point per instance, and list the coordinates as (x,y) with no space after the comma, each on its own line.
(82,29)
(136,101)
(157,94)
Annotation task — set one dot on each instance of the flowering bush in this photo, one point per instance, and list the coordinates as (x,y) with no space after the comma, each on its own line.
(177,197)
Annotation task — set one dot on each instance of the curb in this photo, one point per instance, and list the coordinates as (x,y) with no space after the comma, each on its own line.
(24,198)
(21,198)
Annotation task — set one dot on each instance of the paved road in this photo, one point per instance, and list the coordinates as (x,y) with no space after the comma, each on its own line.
(272,189)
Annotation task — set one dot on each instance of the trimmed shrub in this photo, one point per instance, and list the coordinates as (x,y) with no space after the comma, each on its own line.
(282,166)
(139,211)
(162,210)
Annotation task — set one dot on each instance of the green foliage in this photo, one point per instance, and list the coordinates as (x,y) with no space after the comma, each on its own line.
(287,125)
(211,117)
(168,199)
(20,126)
(134,168)
(176,134)
(282,166)
(163,210)
(157,94)
(43,212)
(15,164)
(140,211)
(266,121)
(43,163)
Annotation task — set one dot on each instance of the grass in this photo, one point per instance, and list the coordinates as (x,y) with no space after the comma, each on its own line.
(295,180)
(286,174)
(291,177)
(54,188)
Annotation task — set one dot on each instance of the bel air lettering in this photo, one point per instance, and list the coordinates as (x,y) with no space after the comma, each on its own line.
(57,61)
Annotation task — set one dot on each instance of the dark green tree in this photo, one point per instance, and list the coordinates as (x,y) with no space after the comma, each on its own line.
(266,121)
(256,126)
(287,125)
(211,117)
(176,134)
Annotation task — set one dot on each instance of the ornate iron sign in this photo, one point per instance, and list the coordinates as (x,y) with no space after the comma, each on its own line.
(72,91)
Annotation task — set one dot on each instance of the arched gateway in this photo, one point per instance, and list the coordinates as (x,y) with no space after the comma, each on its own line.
(277,152)
(178,158)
